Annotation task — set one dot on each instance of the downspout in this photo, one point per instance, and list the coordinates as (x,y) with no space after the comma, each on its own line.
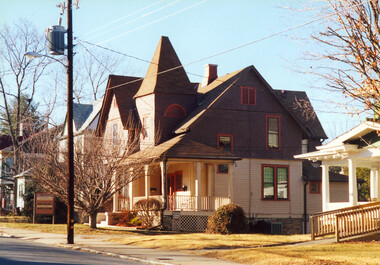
(306,182)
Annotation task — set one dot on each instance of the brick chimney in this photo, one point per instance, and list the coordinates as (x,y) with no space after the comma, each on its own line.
(211,73)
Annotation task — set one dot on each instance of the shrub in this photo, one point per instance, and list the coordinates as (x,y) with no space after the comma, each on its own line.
(124,218)
(148,210)
(227,219)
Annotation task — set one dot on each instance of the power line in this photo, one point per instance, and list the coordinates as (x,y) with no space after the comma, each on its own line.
(237,47)
(133,20)
(153,22)
(119,19)
(126,55)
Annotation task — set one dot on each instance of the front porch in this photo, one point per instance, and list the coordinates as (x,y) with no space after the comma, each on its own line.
(187,186)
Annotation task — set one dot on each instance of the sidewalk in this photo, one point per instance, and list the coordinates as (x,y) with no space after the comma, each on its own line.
(96,244)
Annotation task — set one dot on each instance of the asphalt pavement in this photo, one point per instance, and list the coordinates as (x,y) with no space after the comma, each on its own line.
(97,244)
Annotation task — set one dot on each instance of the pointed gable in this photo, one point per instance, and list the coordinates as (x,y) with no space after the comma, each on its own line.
(123,88)
(160,79)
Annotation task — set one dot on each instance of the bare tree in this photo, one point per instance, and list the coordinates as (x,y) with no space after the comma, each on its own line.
(351,63)
(102,169)
(18,80)
(91,73)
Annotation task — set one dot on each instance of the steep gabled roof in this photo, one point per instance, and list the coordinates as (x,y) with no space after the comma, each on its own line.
(159,80)
(221,85)
(124,88)
(212,93)
(182,147)
(299,104)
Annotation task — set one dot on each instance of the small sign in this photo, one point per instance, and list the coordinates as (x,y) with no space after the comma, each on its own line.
(44,204)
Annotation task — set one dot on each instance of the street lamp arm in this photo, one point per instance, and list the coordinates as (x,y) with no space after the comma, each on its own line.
(32,55)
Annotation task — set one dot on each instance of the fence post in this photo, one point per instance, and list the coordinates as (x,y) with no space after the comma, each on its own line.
(337,228)
(312,227)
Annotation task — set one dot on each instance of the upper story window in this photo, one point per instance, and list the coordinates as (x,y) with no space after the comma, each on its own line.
(248,95)
(304,146)
(175,110)
(273,132)
(225,142)
(275,182)
(114,134)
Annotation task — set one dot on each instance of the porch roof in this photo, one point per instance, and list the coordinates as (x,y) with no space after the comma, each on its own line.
(182,147)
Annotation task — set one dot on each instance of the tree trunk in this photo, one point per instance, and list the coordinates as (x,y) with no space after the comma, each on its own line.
(93,220)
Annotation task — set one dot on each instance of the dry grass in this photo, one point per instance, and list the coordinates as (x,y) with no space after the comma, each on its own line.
(200,241)
(343,253)
(244,248)
(79,229)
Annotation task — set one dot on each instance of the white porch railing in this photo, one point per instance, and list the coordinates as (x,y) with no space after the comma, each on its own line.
(189,203)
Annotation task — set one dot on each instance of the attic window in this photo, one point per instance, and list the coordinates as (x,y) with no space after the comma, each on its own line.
(248,95)
(175,111)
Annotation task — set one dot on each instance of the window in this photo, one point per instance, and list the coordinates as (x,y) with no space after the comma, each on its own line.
(315,187)
(175,110)
(275,182)
(20,190)
(145,127)
(114,134)
(223,168)
(304,146)
(225,142)
(248,95)
(273,132)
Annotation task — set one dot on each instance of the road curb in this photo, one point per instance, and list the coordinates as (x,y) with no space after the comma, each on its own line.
(121,256)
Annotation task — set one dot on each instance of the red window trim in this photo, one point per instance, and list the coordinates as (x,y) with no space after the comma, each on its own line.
(319,187)
(275,182)
(172,106)
(279,132)
(232,140)
(250,90)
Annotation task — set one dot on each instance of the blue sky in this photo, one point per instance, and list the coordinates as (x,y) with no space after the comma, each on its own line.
(198,29)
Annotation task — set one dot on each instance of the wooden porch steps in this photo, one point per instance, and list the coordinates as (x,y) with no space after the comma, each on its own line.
(347,222)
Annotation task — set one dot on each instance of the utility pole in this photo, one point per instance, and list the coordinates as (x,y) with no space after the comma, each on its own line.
(70,134)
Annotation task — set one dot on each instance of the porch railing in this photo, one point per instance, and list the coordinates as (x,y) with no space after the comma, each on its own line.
(347,222)
(189,203)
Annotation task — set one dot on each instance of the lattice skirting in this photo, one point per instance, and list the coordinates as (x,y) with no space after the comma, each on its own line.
(190,223)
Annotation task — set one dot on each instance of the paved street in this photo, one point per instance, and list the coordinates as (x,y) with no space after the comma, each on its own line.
(21,252)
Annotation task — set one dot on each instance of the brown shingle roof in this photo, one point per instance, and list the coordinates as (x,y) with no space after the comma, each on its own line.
(212,93)
(124,88)
(299,104)
(158,81)
(182,147)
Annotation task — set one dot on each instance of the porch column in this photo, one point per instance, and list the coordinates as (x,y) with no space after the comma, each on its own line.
(130,195)
(147,181)
(163,182)
(211,177)
(374,184)
(230,179)
(325,187)
(352,183)
(198,167)
(115,205)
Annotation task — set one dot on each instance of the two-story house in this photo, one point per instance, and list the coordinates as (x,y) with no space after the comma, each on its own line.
(228,139)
